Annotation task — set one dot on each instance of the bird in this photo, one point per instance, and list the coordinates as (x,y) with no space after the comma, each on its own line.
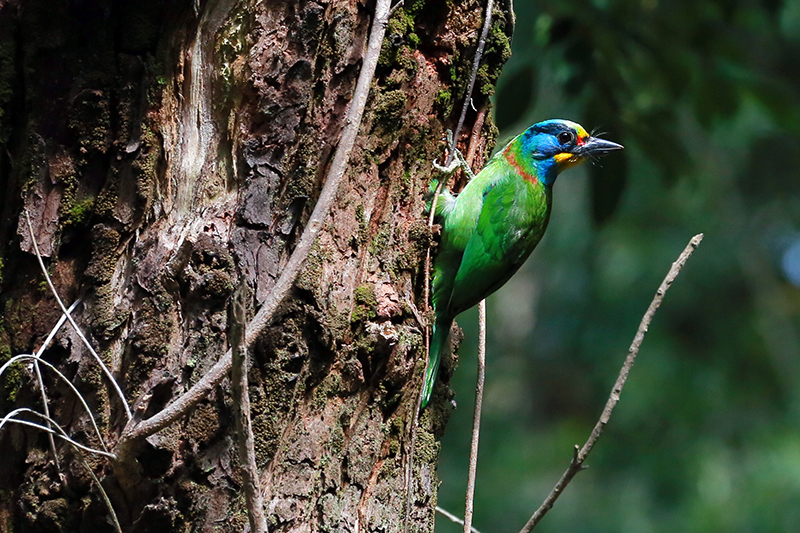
(491,227)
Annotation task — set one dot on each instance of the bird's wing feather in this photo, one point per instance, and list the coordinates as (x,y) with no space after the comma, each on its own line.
(511,222)
(459,218)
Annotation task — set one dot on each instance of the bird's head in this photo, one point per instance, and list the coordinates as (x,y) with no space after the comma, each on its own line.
(555,145)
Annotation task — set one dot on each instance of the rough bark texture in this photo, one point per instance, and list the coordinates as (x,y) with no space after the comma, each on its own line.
(163,149)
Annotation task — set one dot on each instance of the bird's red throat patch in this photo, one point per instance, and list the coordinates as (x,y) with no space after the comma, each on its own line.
(512,157)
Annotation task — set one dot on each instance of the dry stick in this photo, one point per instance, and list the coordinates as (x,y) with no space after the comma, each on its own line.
(395,7)
(60,433)
(468,97)
(581,453)
(38,371)
(46,404)
(427,290)
(475,136)
(476,419)
(103,493)
(201,389)
(36,361)
(72,322)
(65,380)
(244,425)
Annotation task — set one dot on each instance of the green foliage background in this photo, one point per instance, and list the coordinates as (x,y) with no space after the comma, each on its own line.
(705,95)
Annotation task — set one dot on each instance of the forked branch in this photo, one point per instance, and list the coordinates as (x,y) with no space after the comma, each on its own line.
(581,453)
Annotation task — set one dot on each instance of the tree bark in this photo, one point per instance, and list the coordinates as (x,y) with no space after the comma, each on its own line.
(165,149)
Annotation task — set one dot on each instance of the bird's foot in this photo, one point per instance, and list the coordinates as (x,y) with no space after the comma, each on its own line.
(449,169)
(457,161)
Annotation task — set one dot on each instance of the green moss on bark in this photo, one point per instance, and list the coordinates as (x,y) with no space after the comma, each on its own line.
(389,108)
(365,303)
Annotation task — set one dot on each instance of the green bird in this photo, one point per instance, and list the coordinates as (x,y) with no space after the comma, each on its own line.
(493,225)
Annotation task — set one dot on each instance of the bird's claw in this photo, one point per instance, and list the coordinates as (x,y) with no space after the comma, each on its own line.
(457,161)
(447,169)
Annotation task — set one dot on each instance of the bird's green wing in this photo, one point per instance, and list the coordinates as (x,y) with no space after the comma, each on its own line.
(512,220)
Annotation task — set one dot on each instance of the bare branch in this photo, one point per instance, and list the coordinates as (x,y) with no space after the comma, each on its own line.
(45,401)
(468,97)
(60,433)
(67,381)
(72,321)
(103,493)
(200,390)
(581,453)
(241,400)
(59,324)
(476,419)
(395,7)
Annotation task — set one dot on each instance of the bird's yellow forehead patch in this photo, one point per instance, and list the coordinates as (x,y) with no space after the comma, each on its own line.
(582,133)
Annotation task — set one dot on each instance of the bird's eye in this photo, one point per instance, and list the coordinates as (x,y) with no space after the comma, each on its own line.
(566,137)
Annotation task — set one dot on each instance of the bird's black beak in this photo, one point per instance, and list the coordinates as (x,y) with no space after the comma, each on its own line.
(594,147)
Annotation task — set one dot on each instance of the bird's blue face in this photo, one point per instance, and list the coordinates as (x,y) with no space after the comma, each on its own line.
(555,145)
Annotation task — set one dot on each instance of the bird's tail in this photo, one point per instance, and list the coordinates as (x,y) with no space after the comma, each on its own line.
(439,343)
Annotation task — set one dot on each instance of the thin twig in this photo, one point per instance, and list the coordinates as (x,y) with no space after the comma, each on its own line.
(454,518)
(52,334)
(45,401)
(581,453)
(241,400)
(476,419)
(468,96)
(395,7)
(72,321)
(37,359)
(427,283)
(475,135)
(67,381)
(46,405)
(452,148)
(60,433)
(201,389)
(103,493)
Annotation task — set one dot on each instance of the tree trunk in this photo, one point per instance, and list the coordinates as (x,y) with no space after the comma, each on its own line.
(163,150)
